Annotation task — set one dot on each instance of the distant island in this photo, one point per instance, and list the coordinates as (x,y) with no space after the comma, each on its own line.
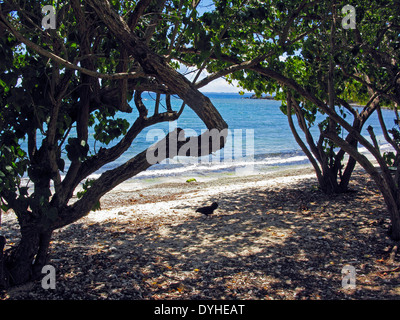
(267,97)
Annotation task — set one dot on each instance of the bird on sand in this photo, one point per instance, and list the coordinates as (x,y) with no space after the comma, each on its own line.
(208,209)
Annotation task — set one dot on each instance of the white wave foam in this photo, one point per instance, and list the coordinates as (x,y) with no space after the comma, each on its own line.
(202,168)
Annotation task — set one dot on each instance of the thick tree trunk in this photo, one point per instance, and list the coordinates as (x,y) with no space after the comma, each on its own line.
(394,231)
(328,182)
(3,281)
(25,262)
(393,207)
(332,183)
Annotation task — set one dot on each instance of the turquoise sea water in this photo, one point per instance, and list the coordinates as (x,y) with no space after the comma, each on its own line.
(259,138)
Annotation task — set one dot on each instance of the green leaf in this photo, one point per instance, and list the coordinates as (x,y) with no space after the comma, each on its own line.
(76,150)
(86,186)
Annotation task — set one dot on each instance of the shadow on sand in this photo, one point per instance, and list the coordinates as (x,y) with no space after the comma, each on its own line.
(290,243)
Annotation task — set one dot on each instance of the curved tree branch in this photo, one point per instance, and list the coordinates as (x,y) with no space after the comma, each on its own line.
(155,65)
(298,139)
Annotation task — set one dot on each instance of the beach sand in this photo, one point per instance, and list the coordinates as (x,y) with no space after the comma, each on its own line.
(273,236)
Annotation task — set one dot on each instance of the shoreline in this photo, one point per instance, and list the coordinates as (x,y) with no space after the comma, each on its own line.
(205,186)
(134,193)
(273,172)
(160,197)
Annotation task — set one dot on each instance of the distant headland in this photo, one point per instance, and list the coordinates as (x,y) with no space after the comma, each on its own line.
(266,97)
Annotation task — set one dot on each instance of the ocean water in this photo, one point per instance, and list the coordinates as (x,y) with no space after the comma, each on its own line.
(259,138)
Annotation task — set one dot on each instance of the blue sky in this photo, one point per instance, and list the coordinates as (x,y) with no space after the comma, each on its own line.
(219,85)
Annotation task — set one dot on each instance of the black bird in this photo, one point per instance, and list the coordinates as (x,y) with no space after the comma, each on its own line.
(208,210)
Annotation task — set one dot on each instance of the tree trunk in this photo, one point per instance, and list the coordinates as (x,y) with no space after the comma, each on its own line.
(328,182)
(327,175)
(332,183)
(3,282)
(393,207)
(394,231)
(25,261)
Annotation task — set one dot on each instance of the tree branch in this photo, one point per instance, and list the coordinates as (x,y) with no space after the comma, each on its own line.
(385,132)
(309,155)
(110,179)
(65,63)
(155,65)
(105,156)
(229,70)
(137,13)
(139,104)
(360,158)
(153,24)
(284,34)
(373,137)
(303,126)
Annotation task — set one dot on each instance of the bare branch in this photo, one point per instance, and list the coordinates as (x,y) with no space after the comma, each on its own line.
(373,137)
(303,126)
(385,132)
(289,101)
(140,105)
(228,70)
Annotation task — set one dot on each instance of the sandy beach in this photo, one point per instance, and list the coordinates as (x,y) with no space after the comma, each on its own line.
(273,236)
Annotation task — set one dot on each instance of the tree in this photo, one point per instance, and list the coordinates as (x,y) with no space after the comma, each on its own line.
(316,69)
(263,48)
(311,67)
(302,52)
(57,83)
(367,54)
(374,44)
